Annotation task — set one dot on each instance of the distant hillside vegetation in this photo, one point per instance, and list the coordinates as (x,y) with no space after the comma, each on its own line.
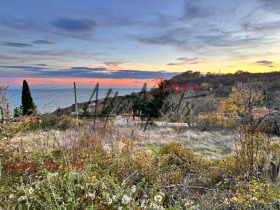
(218,85)
(221,85)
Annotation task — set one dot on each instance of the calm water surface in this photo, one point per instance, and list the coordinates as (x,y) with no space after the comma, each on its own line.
(48,100)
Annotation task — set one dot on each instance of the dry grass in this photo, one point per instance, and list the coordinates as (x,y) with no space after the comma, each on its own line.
(213,144)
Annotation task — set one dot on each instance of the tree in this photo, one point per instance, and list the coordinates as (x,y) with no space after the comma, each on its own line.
(151,108)
(196,74)
(16,112)
(4,103)
(85,109)
(244,97)
(141,108)
(239,72)
(28,107)
(155,105)
(186,105)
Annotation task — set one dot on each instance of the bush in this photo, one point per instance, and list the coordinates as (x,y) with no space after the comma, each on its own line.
(127,176)
(68,122)
(176,160)
(207,122)
(211,121)
(49,121)
(254,194)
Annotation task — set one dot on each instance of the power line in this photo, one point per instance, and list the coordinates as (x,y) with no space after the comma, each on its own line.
(82,90)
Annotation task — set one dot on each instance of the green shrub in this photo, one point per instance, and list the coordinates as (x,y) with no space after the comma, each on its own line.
(176,161)
(49,121)
(68,122)
(129,176)
(211,121)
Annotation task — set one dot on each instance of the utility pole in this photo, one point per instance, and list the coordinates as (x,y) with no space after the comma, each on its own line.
(76,105)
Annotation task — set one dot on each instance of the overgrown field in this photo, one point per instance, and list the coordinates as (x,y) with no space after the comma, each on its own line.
(74,164)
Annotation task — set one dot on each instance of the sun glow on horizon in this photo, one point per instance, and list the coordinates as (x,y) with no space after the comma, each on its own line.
(83,82)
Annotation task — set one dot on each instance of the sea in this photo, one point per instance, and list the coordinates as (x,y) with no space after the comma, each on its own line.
(48,100)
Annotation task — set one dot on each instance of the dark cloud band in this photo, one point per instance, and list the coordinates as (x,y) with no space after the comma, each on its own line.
(15,44)
(75,25)
(86,72)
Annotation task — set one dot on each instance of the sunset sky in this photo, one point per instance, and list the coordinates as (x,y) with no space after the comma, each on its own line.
(124,43)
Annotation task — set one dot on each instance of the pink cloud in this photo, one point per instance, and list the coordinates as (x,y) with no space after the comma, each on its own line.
(85,82)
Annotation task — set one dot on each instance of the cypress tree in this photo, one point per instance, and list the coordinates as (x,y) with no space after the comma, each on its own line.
(28,107)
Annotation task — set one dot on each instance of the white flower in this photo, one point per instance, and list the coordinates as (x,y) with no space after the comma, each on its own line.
(154,206)
(12,196)
(103,186)
(143,203)
(120,208)
(126,199)
(52,174)
(37,184)
(22,198)
(91,195)
(254,199)
(110,201)
(158,198)
(114,198)
(189,203)
(30,190)
(133,189)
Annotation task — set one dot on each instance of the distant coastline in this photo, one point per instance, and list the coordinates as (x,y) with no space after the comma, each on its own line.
(48,100)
